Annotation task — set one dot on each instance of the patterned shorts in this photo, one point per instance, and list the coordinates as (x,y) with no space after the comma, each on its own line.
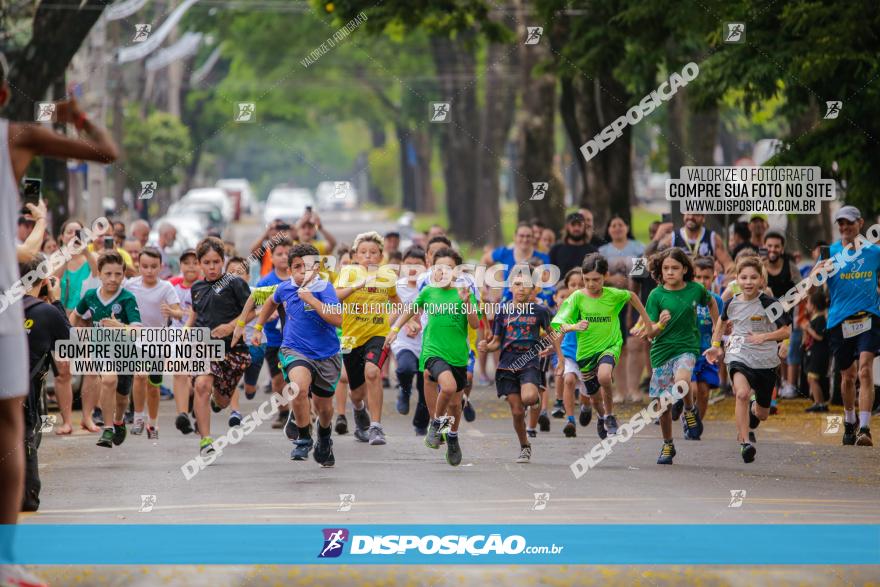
(228,371)
(663,377)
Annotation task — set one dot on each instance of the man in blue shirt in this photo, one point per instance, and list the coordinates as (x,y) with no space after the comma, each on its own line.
(310,359)
(854,321)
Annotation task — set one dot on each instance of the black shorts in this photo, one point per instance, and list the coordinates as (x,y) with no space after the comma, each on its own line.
(123,384)
(357,358)
(435,366)
(591,378)
(508,381)
(817,363)
(272,360)
(543,366)
(762,381)
(847,350)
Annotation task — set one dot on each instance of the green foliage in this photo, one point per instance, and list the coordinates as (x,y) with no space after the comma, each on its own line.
(156,148)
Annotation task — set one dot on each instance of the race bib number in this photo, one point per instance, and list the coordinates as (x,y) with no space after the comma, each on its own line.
(853,328)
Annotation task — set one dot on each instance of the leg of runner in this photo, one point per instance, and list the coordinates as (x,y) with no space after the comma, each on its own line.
(154,383)
(204,384)
(449,402)
(341,398)
(848,393)
(324,448)
(182,390)
(108,407)
(620,385)
(12,466)
(431,395)
(743,394)
(375,395)
(91,397)
(64,395)
(301,376)
(234,410)
(421,417)
(866,398)
(702,398)
(605,375)
(517,413)
(139,393)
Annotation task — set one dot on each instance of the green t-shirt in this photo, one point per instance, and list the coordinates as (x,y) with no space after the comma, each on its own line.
(123,305)
(71,285)
(446,335)
(681,334)
(603,336)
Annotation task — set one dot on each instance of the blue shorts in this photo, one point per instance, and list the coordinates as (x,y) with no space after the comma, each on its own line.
(472,359)
(705,372)
(795,350)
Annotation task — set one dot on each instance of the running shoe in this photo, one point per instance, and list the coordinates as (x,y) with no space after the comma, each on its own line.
(433,437)
(788,391)
(445,427)
(206,447)
(677,409)
(754,421)
(544,421)
(138,427)
(525,454)
(483,381)
(324,451)
(341,424)
(152,433)
(251,394)
(864,437)
(531,433)
(165,393)
(420,431)
(585,416)
(693,426)
(600,428)
(214,407)
(748,452)
(752,437)
(234,419)
(17,576)
(558,409)
(301,448)
(453,450)
(281,420)
(667,452)
(291,431)
(817,408)
(106,439)
(569,430)
(119,433)
(611,424)
(128,418)
(98,417)
(362,425)
(849,433)
(377,435)
(468,411)
(403,401)
(183,423)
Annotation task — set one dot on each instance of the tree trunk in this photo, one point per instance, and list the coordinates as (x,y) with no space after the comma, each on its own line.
(675,134)
(702,138)
(424,192)
(408,165)
(808,228)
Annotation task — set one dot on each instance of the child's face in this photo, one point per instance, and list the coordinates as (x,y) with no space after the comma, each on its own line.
(299,268)
(594,282)
(561,295)
(412,267)
(704,277)
(149,268)
(237,269)
(368,253)
(672,271)
(189,268)
(576,281)
(344,260)
(750,281)
(111,277)
(429,253)
(521,290)
(212,265)
(443,271)
(279,258)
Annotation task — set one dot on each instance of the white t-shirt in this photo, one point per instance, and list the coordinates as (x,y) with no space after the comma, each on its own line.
(184,294)
(150,299)
(404,341)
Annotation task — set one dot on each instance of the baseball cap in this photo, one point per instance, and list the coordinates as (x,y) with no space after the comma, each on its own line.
(850,213)
(392,234)
(187,253)
(574,217)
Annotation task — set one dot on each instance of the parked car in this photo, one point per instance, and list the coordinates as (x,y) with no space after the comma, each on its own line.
(239,190)
(288,204)
(215,196)
(211,212)
(191,229)
(336,195)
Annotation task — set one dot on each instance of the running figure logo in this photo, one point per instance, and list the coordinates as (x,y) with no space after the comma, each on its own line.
(148,189)
(245,112)
(44,112)
(147,503)
(340,190)
(141,32)
(737,496)
(832,424)
(734,344)
(734,32)
(639,266)
(440,112)
(541,500)
(533,34)
(47,422)
(833,109)
(539,190)
(334,541)
(346,500)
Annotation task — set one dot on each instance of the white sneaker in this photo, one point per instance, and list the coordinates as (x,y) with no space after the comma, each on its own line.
(17,576)
(788,391)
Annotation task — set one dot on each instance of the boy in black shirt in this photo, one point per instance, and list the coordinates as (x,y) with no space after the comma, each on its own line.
(818,351)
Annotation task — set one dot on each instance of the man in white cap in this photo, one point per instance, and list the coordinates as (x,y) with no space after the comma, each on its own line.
(854,322)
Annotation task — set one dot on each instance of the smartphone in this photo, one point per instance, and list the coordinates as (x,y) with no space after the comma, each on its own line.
(762,252)
(109,243)
(665,218)
(81,235)
(825,252)
(31,188)
(309,209)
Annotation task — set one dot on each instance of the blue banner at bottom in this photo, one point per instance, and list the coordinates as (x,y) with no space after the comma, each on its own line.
(752,544)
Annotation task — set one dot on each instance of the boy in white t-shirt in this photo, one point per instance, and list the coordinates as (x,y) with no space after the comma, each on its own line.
(182,284)
(408,346)
(151,294)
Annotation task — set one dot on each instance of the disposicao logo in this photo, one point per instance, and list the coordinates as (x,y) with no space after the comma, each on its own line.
(334,541)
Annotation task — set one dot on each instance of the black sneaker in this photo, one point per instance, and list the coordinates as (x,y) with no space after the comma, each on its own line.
(600,428)
(748,453)
(752,437)
(558,409)
(403,401)
(754,421)
(301,448)
(531,433)
(119,433)
(467,410)
(864,437)
(214,407)
(341,424)
(251,394)
(585,416)
(453,450)
(817,408)
(324,451)
(849,433)
(106,439)
(98,417)
(290,429)
(234,419)
(611,424)
(569,430)
(667,452)
(183,423)
(693,426)
(677,409)
(544,421)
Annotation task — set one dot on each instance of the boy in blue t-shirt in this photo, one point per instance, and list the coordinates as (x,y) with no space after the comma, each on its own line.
(309,353)
(705,375)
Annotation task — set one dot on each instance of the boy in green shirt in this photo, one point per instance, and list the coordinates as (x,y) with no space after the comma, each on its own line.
(594,313)
(444,358)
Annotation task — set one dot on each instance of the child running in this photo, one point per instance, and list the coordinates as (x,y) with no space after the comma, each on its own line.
(182,284)
(451,308)
(594,312)
(752,350)
(309,353)
(518,327)
(705,376)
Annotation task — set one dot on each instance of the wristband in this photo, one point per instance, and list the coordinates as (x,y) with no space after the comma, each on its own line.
(80,121)
(716,344)
(785,342)
(241,323)
(258,327)
(395,329)
(660,326)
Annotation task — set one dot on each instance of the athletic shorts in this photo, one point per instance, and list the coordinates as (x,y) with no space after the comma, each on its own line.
(227,372)
(356,359)
(435,366)
(571,366)
(706,372)
(762,381)
(663,377)
(325,372)
(795,347)
(252,373)
(591,363)
(273,360)
(817,364)
(847,350)
(591,378)
(508,381)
